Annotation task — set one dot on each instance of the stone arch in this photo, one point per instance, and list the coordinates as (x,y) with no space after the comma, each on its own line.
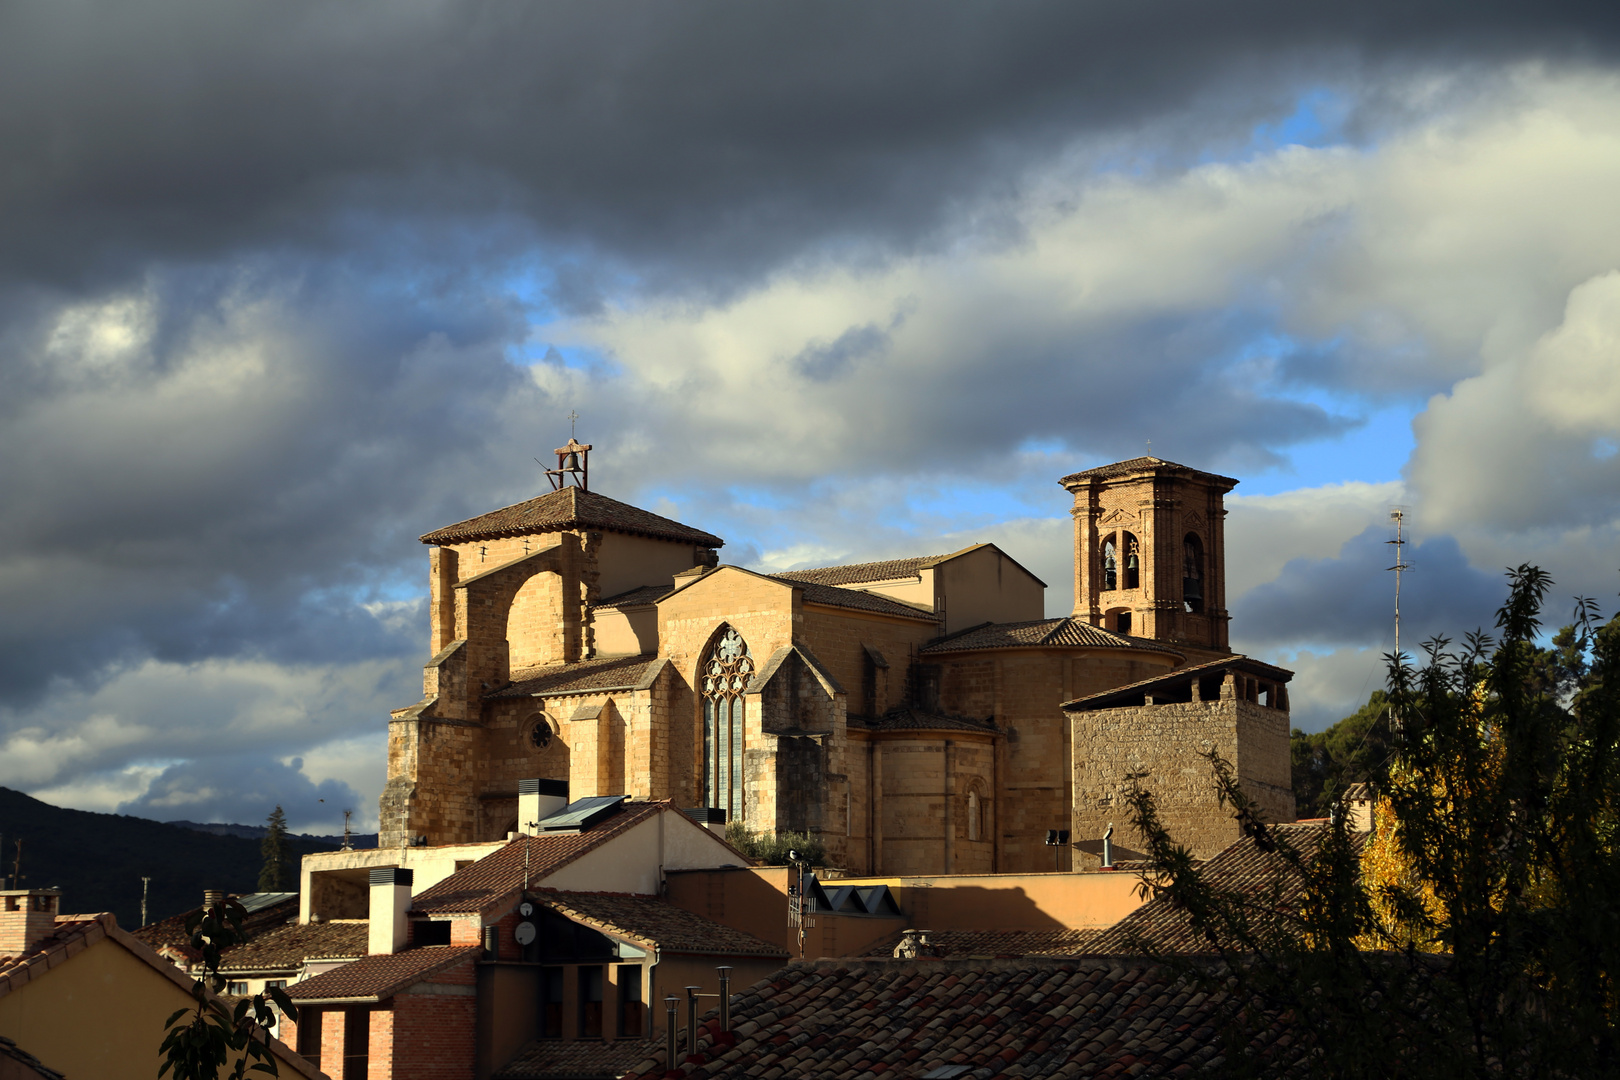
(534,622)
(1130,561)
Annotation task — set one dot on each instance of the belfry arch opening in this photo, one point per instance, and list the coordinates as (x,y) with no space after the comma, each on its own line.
(1131,556)
(723,676)
(1192,573)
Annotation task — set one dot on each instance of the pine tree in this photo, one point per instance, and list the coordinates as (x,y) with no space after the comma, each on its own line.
(276,873)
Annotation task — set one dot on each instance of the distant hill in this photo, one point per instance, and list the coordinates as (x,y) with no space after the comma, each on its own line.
(98,859)
(256,832)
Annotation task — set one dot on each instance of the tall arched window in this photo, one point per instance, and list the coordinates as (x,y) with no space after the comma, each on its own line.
(975,816)
(1110,566)
(1192,573)
(1133,561)
(726,672)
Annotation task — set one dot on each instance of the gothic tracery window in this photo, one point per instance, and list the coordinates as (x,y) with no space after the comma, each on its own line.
(726,673)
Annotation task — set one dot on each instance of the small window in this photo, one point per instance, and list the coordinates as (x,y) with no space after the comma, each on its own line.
(356,1041)
(431,931)
(1192,573)
(1122,623)
(551,1002)
(236,989)
(275,984)
(974,812)
(590,1002)
(309,1035)
(631,1014)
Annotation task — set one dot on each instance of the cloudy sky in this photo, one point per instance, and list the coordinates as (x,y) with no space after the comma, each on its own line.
(283,286)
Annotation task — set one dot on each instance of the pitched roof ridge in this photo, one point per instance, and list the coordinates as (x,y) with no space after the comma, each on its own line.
(570,506)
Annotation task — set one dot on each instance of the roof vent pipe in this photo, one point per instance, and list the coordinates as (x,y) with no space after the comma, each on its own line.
(538,800)
(211,897)
(1108,847)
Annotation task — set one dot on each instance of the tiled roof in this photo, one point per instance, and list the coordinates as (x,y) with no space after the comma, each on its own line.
(586,1059)
(286,947)
(832,596)
(381,975)
(906,718)
(1066,632)
(860,573)
(260,917)
(658,923)
(617,673)
(1142,465)
(570,508)
(23,1063)
(1242,871)
(646,594)
(998,944)
(72,935)
(1093,1017)
(1236,661)
(499,874)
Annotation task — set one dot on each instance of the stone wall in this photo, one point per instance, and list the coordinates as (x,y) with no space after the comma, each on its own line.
(1166,742)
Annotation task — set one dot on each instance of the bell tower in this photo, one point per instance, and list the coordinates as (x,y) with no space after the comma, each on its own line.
(1150,551)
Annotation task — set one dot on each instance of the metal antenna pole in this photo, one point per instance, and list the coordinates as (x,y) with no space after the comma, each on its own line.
(145,881)
(1398,516)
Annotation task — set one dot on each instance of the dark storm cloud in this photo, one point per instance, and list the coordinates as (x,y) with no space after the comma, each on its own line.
(243,788)
(719,137)
(1350,600)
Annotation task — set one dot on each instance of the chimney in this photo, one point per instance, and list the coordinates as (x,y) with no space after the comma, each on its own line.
(390,900)
(712,818)
(27,917)
(538,800)
(211,897)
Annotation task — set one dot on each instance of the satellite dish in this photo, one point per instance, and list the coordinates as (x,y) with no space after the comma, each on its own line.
(523,933)
(525,909)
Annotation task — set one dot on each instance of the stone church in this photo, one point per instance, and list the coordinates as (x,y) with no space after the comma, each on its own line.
(918,715)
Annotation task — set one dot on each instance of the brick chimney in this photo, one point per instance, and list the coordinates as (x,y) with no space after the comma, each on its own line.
(27,917)
(538,800)
(390,900)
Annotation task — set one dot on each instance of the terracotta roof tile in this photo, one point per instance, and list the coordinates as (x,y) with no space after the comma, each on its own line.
(860,573)
(1142,465)
(1237,661)
(998,944)
(172,931)
(570,508)
(499,874)
(24,1063)
(657,923)
(615,673)
(646,594)
(906,718)
(286,947)
(1096,1016)
(72,933)
(1242,871)
(1065,632)
(382,975)
(586,1059)
(832,596)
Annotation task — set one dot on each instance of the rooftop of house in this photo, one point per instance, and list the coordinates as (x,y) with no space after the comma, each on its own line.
(372,978)
(570,508)
(71,935)
(1139,465)
(1066,632)
(586,1059)
(656,924)
(1088,1017)
(587,676)
(1260,879)
(887,570)
(1178,678)
(500,874)
(994,944)
(285,948)
(265,911)
(22,1063)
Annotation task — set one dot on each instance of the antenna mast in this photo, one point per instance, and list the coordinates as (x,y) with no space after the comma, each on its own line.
(1398,516)
(145,881)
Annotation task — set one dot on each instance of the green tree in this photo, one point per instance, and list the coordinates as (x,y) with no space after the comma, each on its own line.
(772,849)
(277,871)
(1357,749)
(208,1036)
(1495,951)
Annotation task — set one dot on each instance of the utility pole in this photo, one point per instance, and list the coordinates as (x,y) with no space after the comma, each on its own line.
(145,881)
